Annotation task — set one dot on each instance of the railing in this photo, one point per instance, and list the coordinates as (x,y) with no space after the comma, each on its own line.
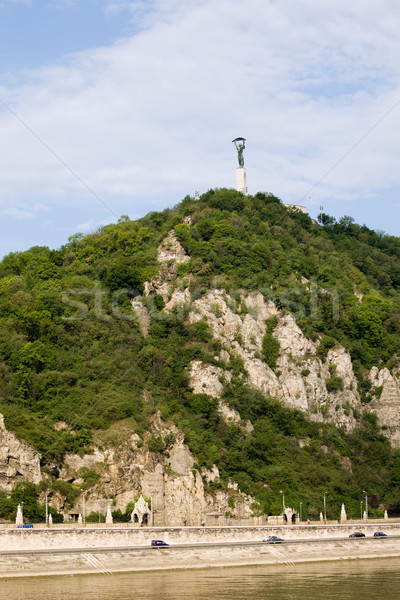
(214,523)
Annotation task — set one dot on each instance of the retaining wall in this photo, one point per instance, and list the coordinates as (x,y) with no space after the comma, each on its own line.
(69,539)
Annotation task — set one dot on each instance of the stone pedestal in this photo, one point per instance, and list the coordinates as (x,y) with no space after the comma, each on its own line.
(109,519)
(241,180)
(19,519)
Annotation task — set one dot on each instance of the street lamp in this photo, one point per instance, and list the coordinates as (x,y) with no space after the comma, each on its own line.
(325,507)
(300,511)
(361,509)
(47,513)
(83,508)
(366,505)
(283,499)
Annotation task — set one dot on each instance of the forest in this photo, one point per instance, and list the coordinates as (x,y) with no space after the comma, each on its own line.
(71,349)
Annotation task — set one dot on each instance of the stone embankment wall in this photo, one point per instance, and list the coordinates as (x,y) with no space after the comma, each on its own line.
(106,561)
(70,539)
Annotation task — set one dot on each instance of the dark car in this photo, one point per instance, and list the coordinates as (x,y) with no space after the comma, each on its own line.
(25,526)
(158,543)
(357,534)
(273,539)
(380,534)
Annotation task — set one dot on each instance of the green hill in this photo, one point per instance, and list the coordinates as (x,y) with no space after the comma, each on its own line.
(72,350)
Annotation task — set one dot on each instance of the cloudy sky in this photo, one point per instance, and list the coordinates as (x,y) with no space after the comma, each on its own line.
(112,107)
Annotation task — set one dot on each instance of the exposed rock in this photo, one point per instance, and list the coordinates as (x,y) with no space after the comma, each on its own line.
(170,479)
(210,474)
(292,340)
(60,425)
(206,379)
(170,255)
(387,406)
(299,380)
(230,414)
(142,314)
(18,460)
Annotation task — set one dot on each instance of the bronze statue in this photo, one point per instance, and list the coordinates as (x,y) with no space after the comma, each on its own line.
(240,147)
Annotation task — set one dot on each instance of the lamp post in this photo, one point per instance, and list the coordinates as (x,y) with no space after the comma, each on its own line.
(300,511)
(283,499)
(22,510)
(366,505)
(47,513)
(83,508)
(325,507)
(361,508)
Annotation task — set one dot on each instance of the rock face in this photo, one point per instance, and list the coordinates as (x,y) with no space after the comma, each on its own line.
(300,378)
(326,390)
(169,479)
(170,255)
(18,460)
(208,379)
(387,405)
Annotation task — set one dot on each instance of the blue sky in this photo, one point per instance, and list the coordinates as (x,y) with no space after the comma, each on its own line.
(33,34)
(111,107)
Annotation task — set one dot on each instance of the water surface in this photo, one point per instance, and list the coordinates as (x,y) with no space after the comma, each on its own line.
(344,580)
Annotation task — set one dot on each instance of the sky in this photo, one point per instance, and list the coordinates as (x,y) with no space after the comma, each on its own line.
(118,107)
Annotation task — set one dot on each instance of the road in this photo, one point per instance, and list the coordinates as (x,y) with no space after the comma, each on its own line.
(149,548)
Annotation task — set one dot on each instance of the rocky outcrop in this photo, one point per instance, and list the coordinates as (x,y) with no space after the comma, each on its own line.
(18,460)
(169,478)
(386,403)
(208,379)
(300,379)
(170,254)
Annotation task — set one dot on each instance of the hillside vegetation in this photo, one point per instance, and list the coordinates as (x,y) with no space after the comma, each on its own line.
(71,350)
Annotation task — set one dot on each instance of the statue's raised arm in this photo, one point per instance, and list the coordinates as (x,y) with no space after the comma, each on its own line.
(240,146)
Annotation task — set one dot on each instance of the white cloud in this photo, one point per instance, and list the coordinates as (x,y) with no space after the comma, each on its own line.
(152,117)
(93,224)
(23,211)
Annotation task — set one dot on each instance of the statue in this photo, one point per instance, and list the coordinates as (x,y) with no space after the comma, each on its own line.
(240,147)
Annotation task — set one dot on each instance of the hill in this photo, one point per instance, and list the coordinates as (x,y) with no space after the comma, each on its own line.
(238,341)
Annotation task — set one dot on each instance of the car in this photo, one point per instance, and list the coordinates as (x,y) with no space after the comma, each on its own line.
(25,526)
(380,534)
(273,539)
(357,534)
(158,543)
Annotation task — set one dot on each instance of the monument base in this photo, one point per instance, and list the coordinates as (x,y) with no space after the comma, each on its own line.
(241,180)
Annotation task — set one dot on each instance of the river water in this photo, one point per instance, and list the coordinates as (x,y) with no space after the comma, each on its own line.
(347,580)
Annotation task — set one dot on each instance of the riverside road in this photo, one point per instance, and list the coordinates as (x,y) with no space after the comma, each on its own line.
(197,546)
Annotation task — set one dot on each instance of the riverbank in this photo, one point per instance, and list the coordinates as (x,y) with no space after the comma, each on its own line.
(107,562)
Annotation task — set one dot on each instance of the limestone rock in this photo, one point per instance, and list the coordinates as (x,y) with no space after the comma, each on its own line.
(299,380)
(18,460)
(170,479)
(206,379)
(387,406)
(170,255)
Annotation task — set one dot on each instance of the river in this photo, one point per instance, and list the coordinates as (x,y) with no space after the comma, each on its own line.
(347,580)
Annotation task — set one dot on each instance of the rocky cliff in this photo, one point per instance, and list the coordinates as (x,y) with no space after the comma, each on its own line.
(323,387)
(18,461)
(170,479)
